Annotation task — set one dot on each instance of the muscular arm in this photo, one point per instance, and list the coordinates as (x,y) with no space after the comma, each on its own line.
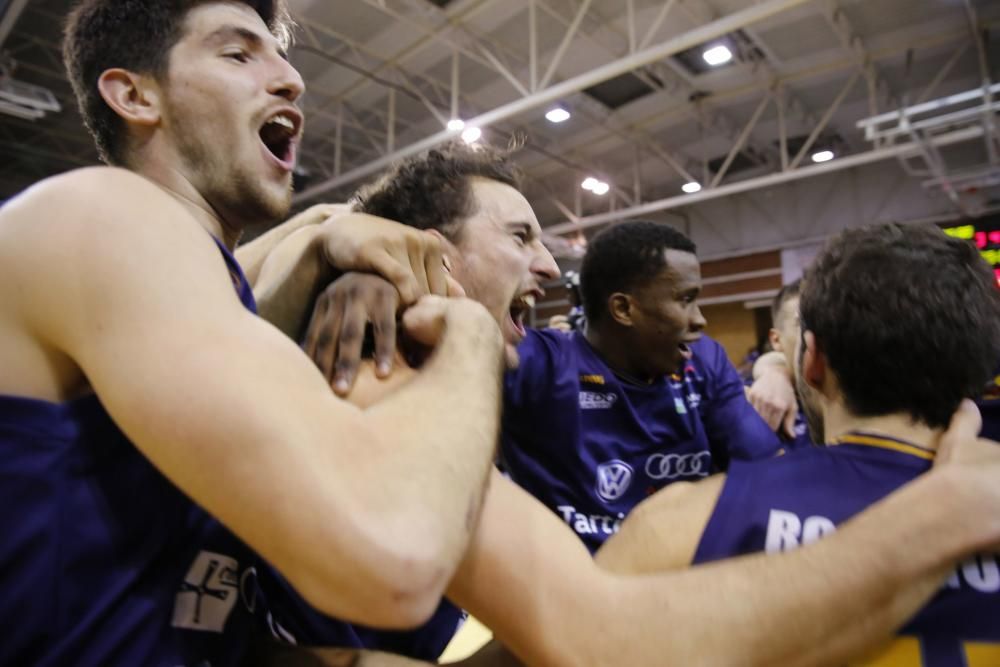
(366,518)
(819,605)
(298,267)
(253,254)
(290,278)
(773,394)
(559,608)
(663,534)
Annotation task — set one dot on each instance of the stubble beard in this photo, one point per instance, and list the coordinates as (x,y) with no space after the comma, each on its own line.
(231,188)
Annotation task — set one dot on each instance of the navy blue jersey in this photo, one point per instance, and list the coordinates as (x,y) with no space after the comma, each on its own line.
(104,561)
(293,620)
(591,446)
(779,504)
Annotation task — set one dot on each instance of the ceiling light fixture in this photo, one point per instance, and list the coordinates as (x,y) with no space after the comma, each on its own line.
(691,187)
(557,115)
(456,125)
(471,135)
(717,55)
(589,183)
(822,156)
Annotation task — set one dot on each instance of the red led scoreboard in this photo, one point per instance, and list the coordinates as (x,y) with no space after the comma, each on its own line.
(985,234)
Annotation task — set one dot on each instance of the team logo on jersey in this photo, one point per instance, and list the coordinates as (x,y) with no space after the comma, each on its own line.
(208,593)
(592,379)
(694,399)
(675,466)
(613,479)
(596,400)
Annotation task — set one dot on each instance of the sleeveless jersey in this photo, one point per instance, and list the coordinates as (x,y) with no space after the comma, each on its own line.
(591,446)
(782,503)
(104,561)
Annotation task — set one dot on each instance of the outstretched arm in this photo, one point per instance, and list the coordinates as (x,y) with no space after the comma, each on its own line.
(663,534)
(773,394)
(557,607)
(147,314)
(253,254)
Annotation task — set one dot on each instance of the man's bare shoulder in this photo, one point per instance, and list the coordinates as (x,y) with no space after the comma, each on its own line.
(88,215)
(81,196)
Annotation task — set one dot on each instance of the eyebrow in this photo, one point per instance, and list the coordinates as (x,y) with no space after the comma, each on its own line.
(228,32)
(526,226)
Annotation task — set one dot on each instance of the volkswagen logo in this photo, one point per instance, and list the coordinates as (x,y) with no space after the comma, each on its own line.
(613,480)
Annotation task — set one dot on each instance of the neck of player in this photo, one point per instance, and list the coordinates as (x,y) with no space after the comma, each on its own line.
(619,355)
(839,421)
(172,178)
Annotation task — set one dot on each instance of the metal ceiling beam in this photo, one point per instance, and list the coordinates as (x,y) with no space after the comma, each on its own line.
(740,141)
(431,35)
(942,73)
(564,44)
(806,74)
(848,162)
(668,48)
(657,22)
(825,120)
(10,17)
(852,42)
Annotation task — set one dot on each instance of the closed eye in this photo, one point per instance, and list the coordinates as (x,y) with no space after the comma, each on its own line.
(239,56)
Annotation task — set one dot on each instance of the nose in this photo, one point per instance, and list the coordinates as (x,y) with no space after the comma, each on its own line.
(286,82)
(698,321)
(544,264)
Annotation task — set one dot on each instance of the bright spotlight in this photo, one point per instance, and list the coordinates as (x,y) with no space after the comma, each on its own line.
(691,187)
(601,188)
(717,55)
(456,124)
(589,183)
(471,135)
(822,156)
(557,115)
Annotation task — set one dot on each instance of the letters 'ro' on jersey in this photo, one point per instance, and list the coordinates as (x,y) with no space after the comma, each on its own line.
(782,503)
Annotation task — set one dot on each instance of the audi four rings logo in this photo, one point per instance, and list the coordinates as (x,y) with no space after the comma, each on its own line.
(674,466)
(613,479)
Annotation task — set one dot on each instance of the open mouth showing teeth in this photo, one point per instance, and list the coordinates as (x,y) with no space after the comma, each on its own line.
(278,134)
(518,307)
(685,350)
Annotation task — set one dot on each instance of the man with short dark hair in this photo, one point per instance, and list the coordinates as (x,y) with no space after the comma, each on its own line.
(468,198)
(596,421)
(898,326)
(159,441)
